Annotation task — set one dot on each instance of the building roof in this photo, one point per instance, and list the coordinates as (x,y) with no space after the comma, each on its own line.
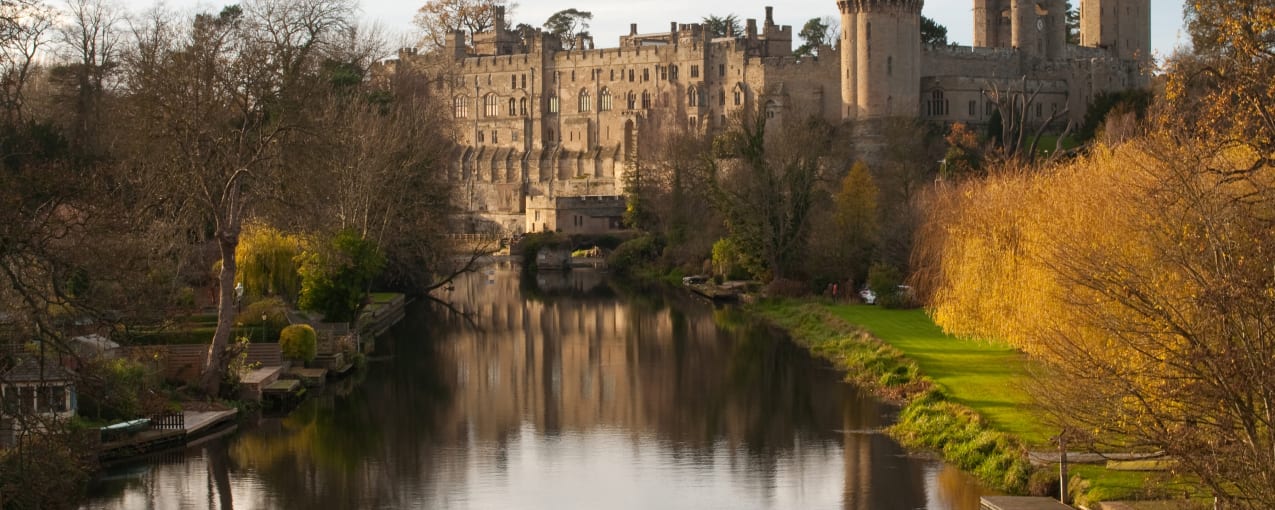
(26,368)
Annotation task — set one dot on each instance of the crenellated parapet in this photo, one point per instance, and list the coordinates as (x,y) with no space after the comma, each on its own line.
(885,6)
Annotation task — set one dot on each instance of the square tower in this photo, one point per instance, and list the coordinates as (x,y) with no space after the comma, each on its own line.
(1123,27)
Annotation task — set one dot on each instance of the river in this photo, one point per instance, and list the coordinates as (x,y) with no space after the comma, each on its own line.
(556,392)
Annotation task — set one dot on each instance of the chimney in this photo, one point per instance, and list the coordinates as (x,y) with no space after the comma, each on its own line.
(750,29)
(770,16)
(672,29)
(632,29)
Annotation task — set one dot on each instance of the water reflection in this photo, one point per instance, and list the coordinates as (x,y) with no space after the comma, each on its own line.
(564,391)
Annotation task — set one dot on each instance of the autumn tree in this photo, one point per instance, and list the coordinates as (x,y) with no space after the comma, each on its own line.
(438,19)
(568,25)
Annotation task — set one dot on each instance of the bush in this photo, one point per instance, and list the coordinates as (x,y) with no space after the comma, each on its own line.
(635,254)
(275,312)
(298,342)
(117,389)
(884,280)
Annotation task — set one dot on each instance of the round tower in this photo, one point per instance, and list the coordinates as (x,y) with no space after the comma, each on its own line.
(880,58)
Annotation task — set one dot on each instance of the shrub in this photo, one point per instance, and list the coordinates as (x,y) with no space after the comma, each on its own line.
(275,312)
(334,280)
(298,342)
(635,253)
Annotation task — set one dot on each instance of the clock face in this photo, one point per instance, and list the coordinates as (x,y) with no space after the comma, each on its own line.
(1040,24)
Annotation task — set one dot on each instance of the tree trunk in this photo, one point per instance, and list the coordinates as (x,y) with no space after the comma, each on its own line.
(215,363)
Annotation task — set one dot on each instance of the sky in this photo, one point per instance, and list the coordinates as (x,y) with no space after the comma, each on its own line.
(611,18)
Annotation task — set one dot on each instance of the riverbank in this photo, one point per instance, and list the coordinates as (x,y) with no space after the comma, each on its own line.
(966,400)
(932,417)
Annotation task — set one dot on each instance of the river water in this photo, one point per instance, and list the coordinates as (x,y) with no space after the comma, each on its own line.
(561,391)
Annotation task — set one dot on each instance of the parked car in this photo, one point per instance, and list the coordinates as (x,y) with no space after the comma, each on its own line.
(868,296)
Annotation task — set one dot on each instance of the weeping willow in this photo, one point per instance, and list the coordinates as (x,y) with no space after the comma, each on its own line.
(267,262)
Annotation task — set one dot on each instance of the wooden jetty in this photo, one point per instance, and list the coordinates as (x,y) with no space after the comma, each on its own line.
(1020,503)
(164,432)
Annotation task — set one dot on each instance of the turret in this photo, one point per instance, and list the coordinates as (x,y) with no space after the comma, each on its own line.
(880,58)
(1121,26)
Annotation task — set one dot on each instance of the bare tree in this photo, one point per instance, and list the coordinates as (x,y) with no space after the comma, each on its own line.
(1014,105)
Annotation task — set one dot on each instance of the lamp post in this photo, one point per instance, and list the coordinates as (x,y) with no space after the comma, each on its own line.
(263,328)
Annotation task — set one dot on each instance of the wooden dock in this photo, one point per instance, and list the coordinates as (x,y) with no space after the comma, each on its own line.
(1021,503)
(166,432)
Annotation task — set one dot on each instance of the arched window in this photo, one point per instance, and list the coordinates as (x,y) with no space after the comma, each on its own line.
(460,107)
(513,107)
(772,109)
(672,73)
(646,100)
(490,108)
(522,107)
(632,101)
(604,100)
(739,94)
(585,103)
(553,104)
(692,97)
(721,98)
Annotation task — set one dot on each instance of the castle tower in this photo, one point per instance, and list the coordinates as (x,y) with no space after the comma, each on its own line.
(1036,27)
(991,23)
(880,58)
(1121,26)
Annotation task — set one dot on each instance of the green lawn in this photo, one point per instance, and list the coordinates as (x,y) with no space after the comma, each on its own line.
(984,376)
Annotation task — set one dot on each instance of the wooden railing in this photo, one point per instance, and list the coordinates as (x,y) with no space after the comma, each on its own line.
(168,421)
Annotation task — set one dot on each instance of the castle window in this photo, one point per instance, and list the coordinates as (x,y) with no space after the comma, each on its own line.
(721,70)
(553,104)
(937,105)
(604,100)
(573,75)
(524,82)
(630,75)
(460,107)
(632,101)
(481,137)
(663,73)
(585,102)
(694,71)
(495,136)
(522,107)
(672,73)
(771,108)
(1040,110)
(692,97)
(973,108)
(721,98)
(513,81)
(613,75)
(513,107)
(490,106)
(646,100)
(646,75)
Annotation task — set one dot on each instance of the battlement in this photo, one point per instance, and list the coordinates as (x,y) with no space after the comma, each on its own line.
(891,6)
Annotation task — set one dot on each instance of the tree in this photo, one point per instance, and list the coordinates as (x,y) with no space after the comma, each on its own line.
(567,25)
(932,33)
(817,33)
(438,19)
(91,42)
(298,342)
(335,277)
(964,154)
(1016,139)
(267,262)
(766,186)
(856,218)
(720,26)
(211,104)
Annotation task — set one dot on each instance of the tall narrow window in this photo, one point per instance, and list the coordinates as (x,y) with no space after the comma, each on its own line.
(490,107)
(513,107)
(672,73)
(513,81)
(692,97)
(460,107)
(522,107)
(694,71)
(646,75)
(553,104)
(631,101)
(604,100)
(585,102)
(646,100)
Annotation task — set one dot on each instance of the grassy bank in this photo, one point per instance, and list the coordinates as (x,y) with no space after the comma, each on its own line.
(935,415)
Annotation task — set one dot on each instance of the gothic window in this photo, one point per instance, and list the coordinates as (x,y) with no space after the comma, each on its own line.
(522,107)
(632,101)
(692,97)
(672,73)
(490,106)
(553,104)
(460,107)
(694,71)
(604,100)
(721,98)
(771,109)
(513,107)
(739,95)
(646,100)
(646,75)
(585,101)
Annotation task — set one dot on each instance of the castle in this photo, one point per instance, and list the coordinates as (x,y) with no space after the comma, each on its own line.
(547,133)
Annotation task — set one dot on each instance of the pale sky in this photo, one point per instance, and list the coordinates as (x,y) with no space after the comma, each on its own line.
(611,18)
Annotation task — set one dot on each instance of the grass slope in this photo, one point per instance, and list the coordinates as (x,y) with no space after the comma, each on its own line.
(987,377)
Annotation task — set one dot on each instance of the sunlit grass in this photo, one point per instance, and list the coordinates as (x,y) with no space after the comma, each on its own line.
(987,377)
